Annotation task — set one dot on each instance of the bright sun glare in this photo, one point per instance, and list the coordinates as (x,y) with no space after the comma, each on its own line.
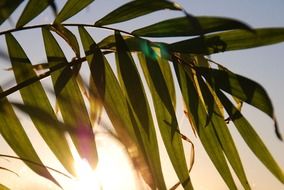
(114,169)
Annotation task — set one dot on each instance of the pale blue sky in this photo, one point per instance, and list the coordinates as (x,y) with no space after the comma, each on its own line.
(264,65)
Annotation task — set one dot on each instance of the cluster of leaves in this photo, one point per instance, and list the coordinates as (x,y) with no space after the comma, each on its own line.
(122,93)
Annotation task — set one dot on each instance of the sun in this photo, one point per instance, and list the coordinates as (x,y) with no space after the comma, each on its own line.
(114,169)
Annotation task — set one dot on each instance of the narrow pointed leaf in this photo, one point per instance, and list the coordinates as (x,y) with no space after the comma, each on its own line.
(34,95)
(223,134)
(68,36)
(70,101)
(133,88)
(197,116)
(71,8)
(229,40)
(32,9)
(95,103)
(115,104)
(7,7)
(13,133)
(242,88)
(183,26)
(135,9)
(252,139)
(166,117)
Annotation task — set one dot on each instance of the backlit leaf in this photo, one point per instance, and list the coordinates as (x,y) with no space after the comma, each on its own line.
(13,133)
(252,139)
(229,40)
(135,9)
(183,26)
(223,133)
(68,36)
(34,95)
(133,88)
(3,187)
(71,8)
(32,9)
(70,101)
(166,117)
(115,104)
(197,116)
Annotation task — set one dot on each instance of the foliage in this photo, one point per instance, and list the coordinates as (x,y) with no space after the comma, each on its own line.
(207,91)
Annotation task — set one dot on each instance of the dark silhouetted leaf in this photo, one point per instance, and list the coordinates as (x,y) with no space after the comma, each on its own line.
(229,40)
(7,7)
(165,116)
(242,88)
(71,8)
(183,26)
(252,139)
(135,9)
(34,95)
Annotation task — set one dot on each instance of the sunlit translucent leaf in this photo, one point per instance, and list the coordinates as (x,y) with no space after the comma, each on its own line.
(230,40)
(3,187)
(133,88)
(71,8)
(167,73)
(33,8)
(223,133)
(166,117)
(68,36)
(242,88)
(70,101)
(135,9)
(115,104)
(197,116)
(183,26)
(34,95)
(13,133)
(7,7)
(251,137)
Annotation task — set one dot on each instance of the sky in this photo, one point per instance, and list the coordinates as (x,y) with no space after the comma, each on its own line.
(264,65)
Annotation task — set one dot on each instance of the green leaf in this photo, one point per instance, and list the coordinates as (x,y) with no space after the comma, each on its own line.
(115,104)
(32,9)
(166,117)
(251,137)
(183,26)
(68,36)
(34,95)
(197,116)
(223,133)
(133,88)
(13,133)
(242,88)
(229,40)
(7,7)
(135,9)
(95,103)
(71,8)
(70,101)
